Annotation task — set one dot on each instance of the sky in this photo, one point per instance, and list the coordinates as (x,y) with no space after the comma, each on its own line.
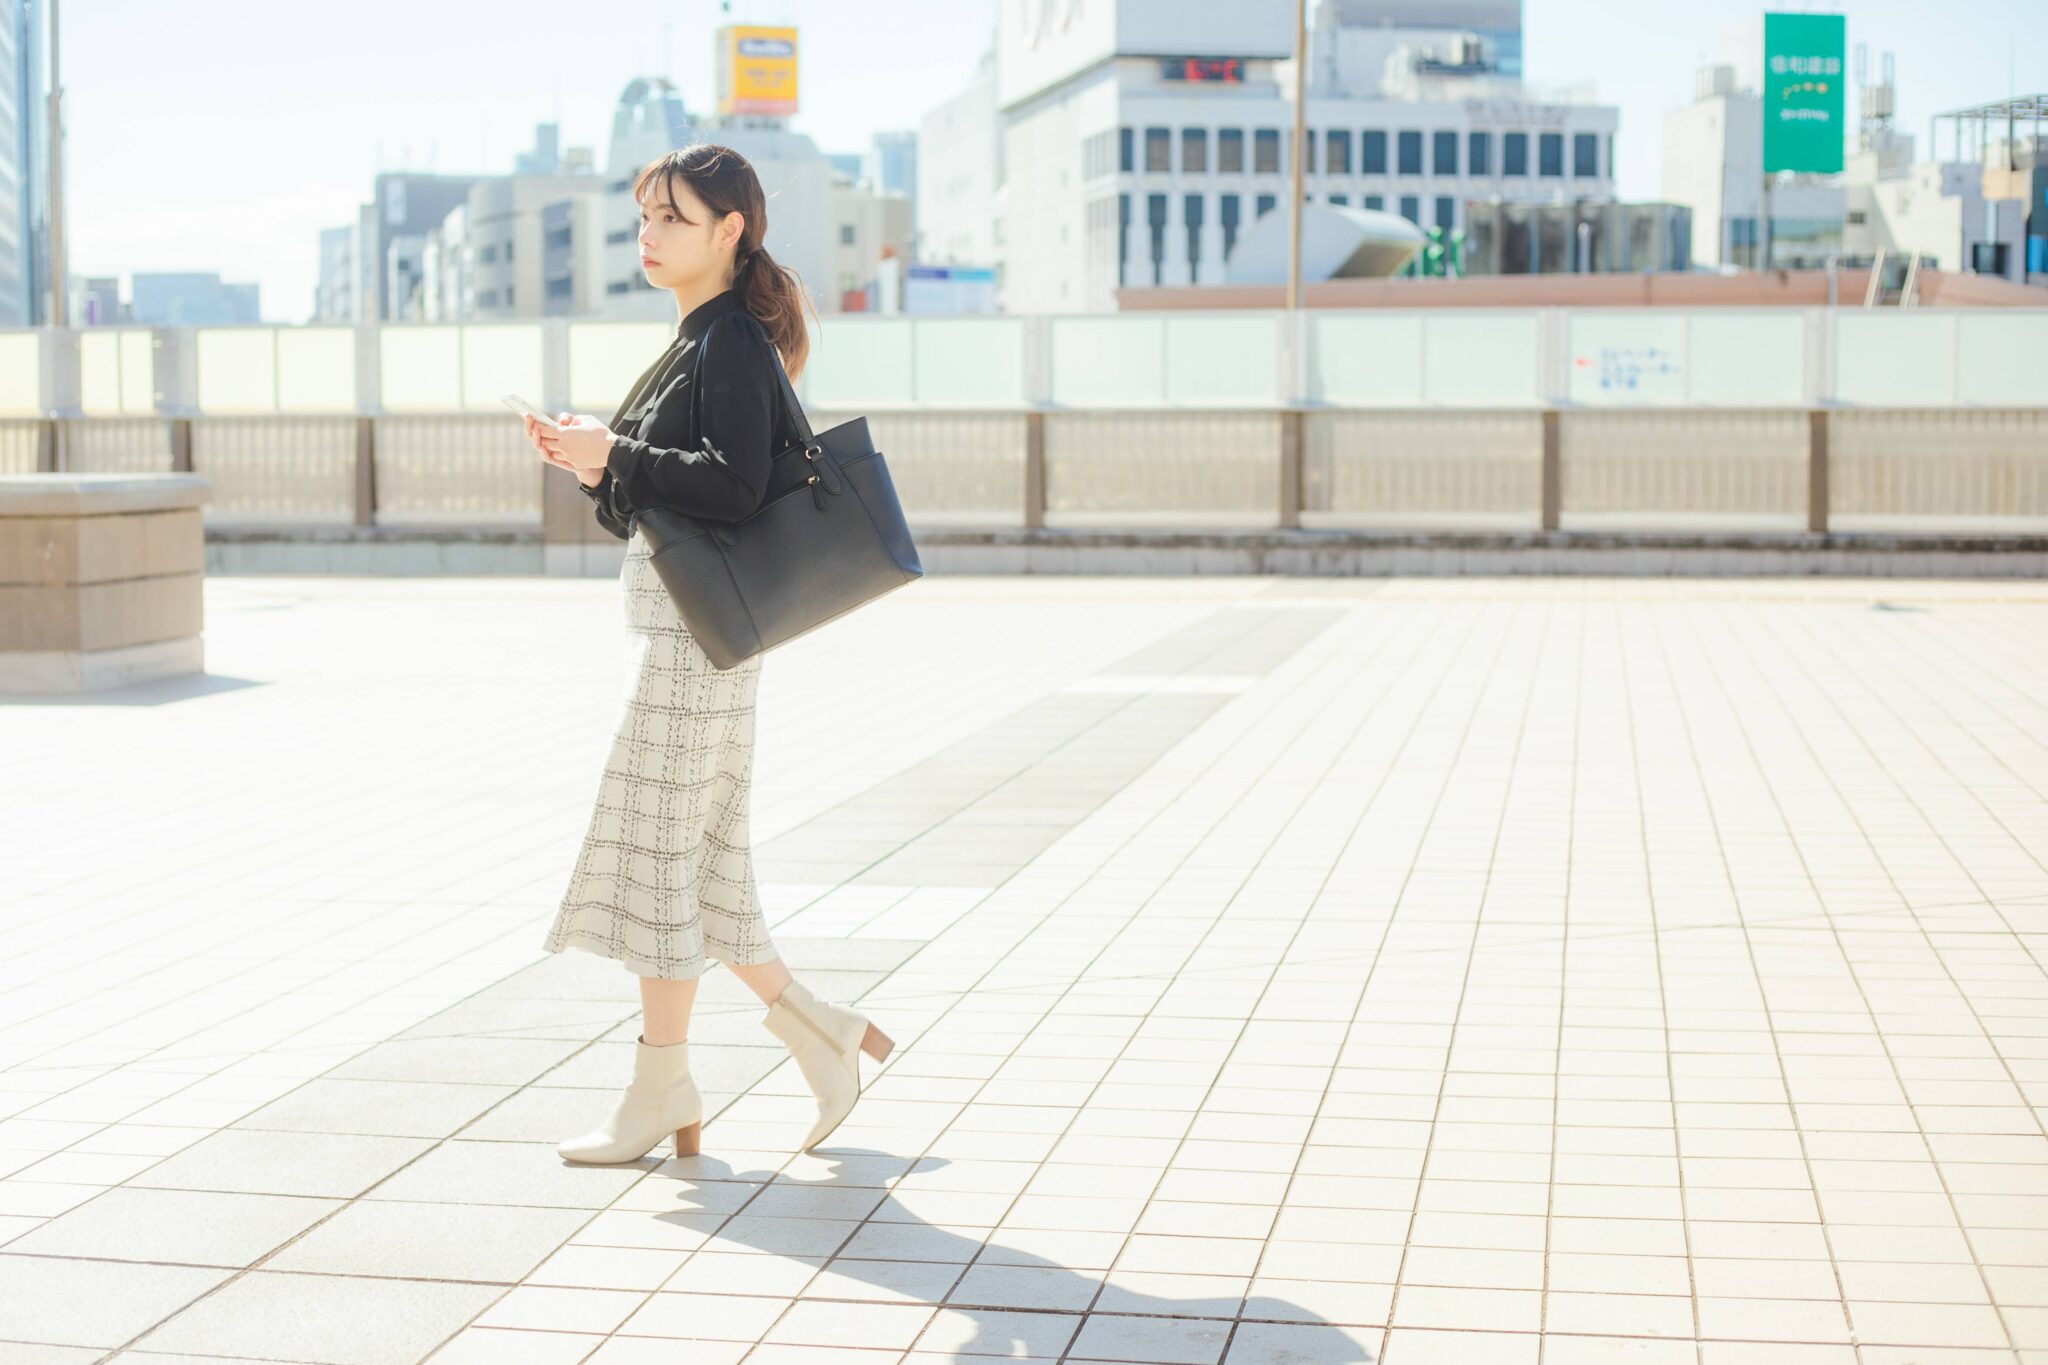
(226,138)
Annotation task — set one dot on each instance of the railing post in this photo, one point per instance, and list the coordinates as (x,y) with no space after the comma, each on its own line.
(1817,470)
(1553,471)
(1292,453)
(181,445)
(1034,469)
(366,471)
(46,446)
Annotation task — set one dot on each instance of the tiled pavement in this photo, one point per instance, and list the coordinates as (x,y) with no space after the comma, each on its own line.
(1415,971)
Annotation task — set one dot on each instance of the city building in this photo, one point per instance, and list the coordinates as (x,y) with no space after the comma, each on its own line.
(24,164)
(191,299)
(1588,237)
(1713,164)
(377,271)
(99,303)
(892,163)
(868,227)
(490,256)
(959,173)
(1966,213)
(1140,138)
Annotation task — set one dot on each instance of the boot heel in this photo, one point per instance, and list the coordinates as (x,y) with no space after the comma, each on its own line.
(687,1139)
(876,1043)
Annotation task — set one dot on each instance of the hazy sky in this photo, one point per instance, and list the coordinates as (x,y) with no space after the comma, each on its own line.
(224,138)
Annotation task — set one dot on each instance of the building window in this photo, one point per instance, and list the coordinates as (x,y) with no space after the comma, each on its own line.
(1265,150)
(1123,150)
(1411,153)
(1337,151)
(1443,153)
(1155,217)
(487,255)
(1479,154)
(508,251)
(1372,152)
(1375,201)
(510,290)
(1411,209)
(1226,214)
(1586,155)
(1550,154)
(1191,218)
(1308,151)
(1194,149)
(1340,199)
(1264,205)
(487,298)
(1123,234)
(1158,149)
(1514,154)
(1230,150)
(1446,212)
(846,234)
(622,235)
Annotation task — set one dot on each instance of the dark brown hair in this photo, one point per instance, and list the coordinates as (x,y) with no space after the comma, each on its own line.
(725,182)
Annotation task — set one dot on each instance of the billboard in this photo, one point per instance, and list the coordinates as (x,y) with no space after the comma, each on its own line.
(1802,89)
(756,70)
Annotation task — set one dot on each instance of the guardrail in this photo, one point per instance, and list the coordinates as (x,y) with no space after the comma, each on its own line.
(1533,419)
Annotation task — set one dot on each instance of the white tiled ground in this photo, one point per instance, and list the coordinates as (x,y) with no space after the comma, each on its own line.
(1453,971)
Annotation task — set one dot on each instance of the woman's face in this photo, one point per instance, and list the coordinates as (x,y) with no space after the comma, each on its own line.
(682,243)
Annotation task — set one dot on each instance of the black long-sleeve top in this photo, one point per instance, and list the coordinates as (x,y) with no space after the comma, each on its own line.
(714,461)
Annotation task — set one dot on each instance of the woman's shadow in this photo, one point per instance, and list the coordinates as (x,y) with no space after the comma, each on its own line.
(1260,1328)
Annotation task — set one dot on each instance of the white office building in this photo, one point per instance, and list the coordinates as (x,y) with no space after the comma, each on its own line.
(959,173)
(1140,138)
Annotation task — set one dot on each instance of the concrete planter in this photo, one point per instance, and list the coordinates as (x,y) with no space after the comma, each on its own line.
(101,580)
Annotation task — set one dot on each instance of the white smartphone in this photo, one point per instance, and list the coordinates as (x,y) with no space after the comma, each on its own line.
(520,405)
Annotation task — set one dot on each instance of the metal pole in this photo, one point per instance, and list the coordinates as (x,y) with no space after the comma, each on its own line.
(1295,157)
(59,295)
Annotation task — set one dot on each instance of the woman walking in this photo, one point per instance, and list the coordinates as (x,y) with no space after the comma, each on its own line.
(665,877)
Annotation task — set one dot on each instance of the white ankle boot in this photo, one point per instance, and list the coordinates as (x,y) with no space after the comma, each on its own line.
(661,1099)
(827,1041)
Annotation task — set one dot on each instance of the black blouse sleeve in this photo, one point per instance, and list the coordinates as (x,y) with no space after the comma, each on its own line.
(608,516)
(724,475)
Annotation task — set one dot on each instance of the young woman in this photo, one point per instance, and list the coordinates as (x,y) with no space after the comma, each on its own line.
(664,879)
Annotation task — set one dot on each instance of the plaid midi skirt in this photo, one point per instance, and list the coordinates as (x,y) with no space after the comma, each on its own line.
(665,877)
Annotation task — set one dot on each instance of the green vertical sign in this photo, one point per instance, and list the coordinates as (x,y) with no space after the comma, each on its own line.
(1803,92)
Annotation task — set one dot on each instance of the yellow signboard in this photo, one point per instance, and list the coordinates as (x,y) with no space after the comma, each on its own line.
(756,70)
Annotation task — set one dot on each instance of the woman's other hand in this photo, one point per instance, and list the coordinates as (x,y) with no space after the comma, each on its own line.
(550,446)
(583,444)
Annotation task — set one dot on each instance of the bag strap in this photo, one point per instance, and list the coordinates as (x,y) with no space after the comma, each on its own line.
(792,410)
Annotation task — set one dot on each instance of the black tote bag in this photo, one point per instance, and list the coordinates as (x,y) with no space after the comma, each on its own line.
(828,536)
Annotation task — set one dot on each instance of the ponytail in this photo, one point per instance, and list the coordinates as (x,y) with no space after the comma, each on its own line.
(770,291)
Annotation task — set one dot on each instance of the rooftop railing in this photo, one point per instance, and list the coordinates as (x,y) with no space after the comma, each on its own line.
(1792,419)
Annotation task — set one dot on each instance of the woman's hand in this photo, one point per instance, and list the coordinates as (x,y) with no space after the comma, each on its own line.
(582,445)
(539,436)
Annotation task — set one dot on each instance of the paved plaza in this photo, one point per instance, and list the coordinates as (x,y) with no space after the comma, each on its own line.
(1282,970)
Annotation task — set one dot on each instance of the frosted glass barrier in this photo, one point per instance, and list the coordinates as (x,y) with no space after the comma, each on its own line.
(316,369)
(21,363)
(116,371)
(1739,358)
(604,360)
(1894,359)
(421,368)
(858,362)
(1480,360)
(499,359)
(1108,362)
(1372,360)
(1631,359)
(237,369)
(1223,361)
(2002,359)
(969,362)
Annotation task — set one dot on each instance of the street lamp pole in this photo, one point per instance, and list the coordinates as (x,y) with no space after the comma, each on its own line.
(1295,168)
(59,295)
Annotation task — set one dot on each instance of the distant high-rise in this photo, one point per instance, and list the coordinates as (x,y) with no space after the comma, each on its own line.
(24,164)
